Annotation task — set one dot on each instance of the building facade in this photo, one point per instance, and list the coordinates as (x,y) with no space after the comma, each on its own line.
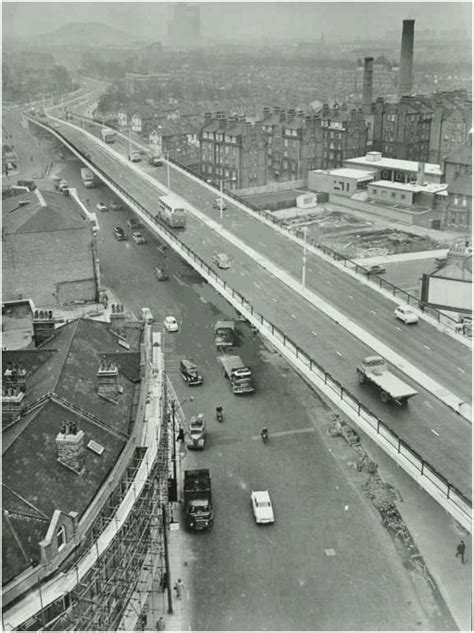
(457,167)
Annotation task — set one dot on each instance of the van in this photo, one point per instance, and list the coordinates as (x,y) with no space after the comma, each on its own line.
(189,372)
(221,260)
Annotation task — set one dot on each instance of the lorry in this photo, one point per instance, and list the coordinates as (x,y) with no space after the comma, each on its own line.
(108,136)
(198,499)
(238,374)
(374,369)
(196,432)
(172,211)
(224,333)
(88,178)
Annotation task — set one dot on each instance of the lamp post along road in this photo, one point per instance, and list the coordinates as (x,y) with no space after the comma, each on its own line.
(303,272)
(221,191)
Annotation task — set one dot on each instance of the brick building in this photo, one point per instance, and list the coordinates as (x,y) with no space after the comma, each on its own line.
(452,120)
(457,167)
(48,253)
(285,145)
(344,135)
(233,149)
(402,130)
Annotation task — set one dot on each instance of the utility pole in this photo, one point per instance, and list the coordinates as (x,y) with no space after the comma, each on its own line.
(168,168)
(167,558)
(220,199)
(303,272)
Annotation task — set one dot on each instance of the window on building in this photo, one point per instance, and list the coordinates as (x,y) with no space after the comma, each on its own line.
(285,143)
(403,196)
(61,537)
(393,194)
(464,201)
(456,200)
(384,194)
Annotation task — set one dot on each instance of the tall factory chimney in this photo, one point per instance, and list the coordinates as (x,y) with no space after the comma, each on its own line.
(406,59)
(367,84)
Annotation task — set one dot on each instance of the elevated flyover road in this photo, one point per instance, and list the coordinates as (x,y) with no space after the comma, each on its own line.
(429,427)
(438,361)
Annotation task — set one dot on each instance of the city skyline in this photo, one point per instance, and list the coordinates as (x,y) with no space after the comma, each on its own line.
(234,21)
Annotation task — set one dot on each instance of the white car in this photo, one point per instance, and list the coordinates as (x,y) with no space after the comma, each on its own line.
(147,315)
(138,237)
(406,314)
(171,324)
(102,207)
(216,203)
(221,260)
(135,157)
(262,506)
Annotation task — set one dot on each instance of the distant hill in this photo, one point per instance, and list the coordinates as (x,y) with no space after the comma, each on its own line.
(84,35)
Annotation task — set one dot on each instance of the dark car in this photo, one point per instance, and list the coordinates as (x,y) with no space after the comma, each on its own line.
(376,269)
(119,233)
(115,206)
(161,274)
(134,224)
(189,372)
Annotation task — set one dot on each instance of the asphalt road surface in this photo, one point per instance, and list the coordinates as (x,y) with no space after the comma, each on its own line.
(429,427)
(326,563)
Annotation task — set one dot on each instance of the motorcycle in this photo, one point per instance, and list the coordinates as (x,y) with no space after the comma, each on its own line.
(264,435)
(219,414)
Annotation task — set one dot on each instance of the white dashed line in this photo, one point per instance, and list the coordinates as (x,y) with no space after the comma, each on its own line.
(294,316)
(461,370)
(428,404)
(314,333)
(274,300)
(373,312)
(327,281)
(433,431)
(350,296)
(256,284)
(398,328)
(426,347)
(339,353)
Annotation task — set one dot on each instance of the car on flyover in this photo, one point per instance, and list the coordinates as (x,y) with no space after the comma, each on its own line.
(171,324)
(133,223)
(376,269)
(216,203)
(134,157)
(102,207)
(221,260)
(138,237)
(406,314)
(147,315)
(161,274)
(115,206)
(262,507)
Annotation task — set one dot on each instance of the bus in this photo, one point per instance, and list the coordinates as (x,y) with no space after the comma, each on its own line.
(108,136)
(172,211)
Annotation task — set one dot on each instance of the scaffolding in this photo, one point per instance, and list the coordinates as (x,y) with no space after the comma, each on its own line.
(113,593)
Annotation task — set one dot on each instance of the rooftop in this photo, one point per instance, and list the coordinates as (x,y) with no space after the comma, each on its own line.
(392,163)
(346,172)
(64,372)
(413,187)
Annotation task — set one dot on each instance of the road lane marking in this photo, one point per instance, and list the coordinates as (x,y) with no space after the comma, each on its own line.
(257,285)
(327,281)
(339,353)
(426,347)
(294,316)
(398,328)
(433,431)
(275,299)
(314,333)
(373,312)
(428,404)
(350,296)
(461,370)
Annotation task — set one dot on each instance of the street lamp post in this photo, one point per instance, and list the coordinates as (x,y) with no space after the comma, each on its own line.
(221,191)
(173,422)
(303,272)
(168,168)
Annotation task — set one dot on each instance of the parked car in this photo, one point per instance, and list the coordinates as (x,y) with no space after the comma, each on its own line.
(147,315)
(441,261)
(161,274)
(189,372)
(406,314)
(171,324)
(115,206)
(102,207)
(133,224)
(221,260)
(376,269)
(138,237)
(62,185)
(262,506)
(119,233)
(134,157)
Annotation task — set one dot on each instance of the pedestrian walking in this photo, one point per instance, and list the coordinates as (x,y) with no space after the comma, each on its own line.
(461,548)
(179,588)
(160,625)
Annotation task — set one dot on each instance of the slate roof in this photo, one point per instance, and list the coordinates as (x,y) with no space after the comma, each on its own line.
(34,482)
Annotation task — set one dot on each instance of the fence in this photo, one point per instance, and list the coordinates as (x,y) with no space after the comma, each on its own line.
(429,478)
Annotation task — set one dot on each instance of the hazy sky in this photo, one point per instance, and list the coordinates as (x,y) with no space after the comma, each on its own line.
(367,20)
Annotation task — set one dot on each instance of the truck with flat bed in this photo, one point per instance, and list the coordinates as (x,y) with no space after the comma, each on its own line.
(198,510)
(237,373)
(88,178)
(374,369)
